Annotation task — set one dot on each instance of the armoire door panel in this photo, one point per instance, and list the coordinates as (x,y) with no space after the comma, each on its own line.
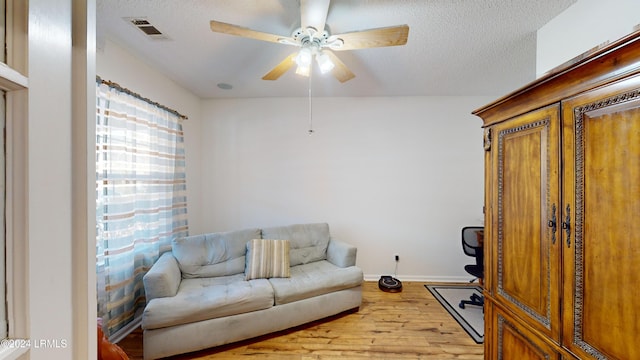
(515,342)
(602,182)
(522,209)
(525,258)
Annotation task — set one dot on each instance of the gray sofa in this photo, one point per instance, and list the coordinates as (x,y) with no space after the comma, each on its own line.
(198,295)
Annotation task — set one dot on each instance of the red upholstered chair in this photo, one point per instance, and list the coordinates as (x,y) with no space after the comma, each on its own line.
(108,350)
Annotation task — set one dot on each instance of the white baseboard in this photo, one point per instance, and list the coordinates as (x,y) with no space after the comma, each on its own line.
(414,278)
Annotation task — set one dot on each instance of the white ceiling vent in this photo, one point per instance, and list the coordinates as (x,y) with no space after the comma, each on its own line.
(147,28)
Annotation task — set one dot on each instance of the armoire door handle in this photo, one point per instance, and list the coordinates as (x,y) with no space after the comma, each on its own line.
(553,224)
(566,225)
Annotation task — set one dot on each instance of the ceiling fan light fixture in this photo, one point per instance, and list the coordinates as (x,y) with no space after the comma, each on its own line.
(324,62)
(304,57)
(303,70)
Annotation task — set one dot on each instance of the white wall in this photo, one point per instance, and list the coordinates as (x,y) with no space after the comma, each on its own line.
(116,64)
(390,175)
(584,25)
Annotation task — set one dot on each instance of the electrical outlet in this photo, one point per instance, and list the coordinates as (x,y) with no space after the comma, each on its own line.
(397,257)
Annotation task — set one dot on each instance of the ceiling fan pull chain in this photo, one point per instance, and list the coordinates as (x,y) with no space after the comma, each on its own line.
(310,131)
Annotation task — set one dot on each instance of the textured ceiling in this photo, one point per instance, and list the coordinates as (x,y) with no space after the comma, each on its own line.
(455,47)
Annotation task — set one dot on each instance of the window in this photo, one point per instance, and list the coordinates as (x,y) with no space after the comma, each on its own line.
(13,112)
(3,309)
(140,198)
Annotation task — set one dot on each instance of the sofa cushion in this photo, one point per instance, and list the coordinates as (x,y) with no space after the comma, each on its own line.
(313,279)
(208,298)
(308,241)
(215,254)
(266,259)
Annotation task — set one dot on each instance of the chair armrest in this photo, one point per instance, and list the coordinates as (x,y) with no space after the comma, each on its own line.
(163,279)
(341,254)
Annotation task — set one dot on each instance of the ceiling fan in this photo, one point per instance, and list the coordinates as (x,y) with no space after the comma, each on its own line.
(315,41)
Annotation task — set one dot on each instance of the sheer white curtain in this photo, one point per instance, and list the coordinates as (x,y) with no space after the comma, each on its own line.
(140,196)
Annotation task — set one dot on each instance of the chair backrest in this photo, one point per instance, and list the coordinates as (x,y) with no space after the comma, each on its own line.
(470,240)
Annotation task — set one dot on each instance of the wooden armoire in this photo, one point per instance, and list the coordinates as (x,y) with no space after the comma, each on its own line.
(562,211)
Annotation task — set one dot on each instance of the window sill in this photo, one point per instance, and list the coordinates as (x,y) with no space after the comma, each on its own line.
(9,352)
(12,80)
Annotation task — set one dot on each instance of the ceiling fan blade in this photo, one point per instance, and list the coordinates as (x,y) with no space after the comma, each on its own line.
(340,71)
(313,13)
(372,38)
(281,68)
(230,29)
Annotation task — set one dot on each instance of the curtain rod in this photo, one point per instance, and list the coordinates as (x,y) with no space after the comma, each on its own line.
(113,85)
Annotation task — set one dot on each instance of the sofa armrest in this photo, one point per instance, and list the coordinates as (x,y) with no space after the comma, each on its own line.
(163,279)
(341,254)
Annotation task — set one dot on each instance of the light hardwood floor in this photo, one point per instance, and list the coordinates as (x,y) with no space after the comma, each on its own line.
(406,325)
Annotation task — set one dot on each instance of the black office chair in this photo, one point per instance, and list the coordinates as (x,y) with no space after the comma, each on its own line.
(472,247)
